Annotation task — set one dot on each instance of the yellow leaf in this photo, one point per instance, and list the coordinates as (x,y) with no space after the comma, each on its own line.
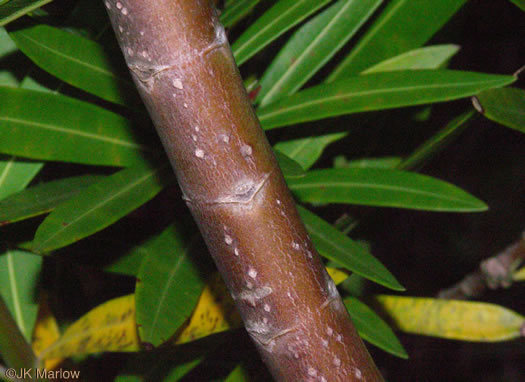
(108,327)
(45,332)
(337,275)
(519,275)
(216,312)
(459,320)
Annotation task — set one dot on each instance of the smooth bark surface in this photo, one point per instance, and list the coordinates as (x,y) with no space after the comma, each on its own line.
(182,64)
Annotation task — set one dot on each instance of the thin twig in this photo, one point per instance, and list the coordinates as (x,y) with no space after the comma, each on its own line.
(493,273)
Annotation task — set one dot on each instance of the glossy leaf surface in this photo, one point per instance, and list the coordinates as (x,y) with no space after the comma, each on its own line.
(100,205)
(336,246)
(273,23)
(376,91)
(383,188)
(14,9)
(402,26)
(306,151)
(429,57)
(15,175)
(312,46)
(75,60)
(236,11)
(459,320)
(42,198)
(505,106)
(19,274)
(372,328)
(168,286)
(289,167)
(65,130)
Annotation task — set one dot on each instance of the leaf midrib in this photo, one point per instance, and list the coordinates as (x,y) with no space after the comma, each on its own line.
(290,71)
(269,25)
(14,291)
(380,187)
(71,58)
(79,133)
(168,283)
(100,204)
(343,96)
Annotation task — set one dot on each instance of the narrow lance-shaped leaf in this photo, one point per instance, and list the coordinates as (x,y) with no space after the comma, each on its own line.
(381,162)
(429,57)
(312,46)
(436,142)
(372,328)
(78,61)
(15,175)
(108,327)
(168,285)
(306,151)
(289,167)
(100,205)
(42,198)
(19,272)
(505,106)
(383,188)
(377,91)
(14,9)
(277,20)
(15,351)
(407,23)
(336,246)
(65,130)
(459,320)
(235,12)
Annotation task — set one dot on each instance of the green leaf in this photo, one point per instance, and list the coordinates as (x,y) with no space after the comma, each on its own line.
(235,12)
(436,142)
(15,175)
(519,3)
(383,162)
(402,26)
(17,8)
(430,57)
(16,351)
(289,167)
(237,375)
(377,91)
(168,285)
(7,51)
(77,61)
(65,130)
(312,46)
(336,246)
(100,205)
(19,273)
(372,328)
(42,198)
(277,20)
(306,151)
(459,320)
(505,106)
(383,188)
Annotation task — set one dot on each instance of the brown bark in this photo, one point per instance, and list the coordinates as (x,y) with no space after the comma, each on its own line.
(182,65)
